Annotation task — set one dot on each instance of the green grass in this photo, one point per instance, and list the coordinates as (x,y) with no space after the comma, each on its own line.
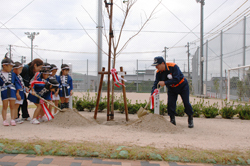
(107,150)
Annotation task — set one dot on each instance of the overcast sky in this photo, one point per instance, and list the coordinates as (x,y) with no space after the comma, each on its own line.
(57,23)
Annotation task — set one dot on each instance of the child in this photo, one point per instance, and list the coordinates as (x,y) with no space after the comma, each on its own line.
(55,96)
(9,90)
(17,69)
(66,86)
(42,87)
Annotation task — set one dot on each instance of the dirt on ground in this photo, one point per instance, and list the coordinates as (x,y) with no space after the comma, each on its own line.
(153,123)
(150,130)
(69,118)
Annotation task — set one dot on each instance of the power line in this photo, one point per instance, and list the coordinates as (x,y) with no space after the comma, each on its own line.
(229,16)
(80,52)
(210,34)
(128,30)
(20,40)
(17,13)
(199,23)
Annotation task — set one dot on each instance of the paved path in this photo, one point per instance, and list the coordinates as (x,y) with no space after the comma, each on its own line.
(32,160)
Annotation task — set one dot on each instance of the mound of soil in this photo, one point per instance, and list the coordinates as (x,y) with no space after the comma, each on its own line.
(69,118)
(154,123)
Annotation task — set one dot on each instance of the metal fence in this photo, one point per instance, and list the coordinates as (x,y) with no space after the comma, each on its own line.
(229,49)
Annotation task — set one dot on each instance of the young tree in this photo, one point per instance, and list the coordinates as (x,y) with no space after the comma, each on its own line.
(115,42)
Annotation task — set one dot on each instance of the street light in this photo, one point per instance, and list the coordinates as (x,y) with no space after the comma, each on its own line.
(201,46)
(32,37)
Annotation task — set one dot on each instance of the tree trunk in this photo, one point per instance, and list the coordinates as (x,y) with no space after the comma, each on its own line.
(113,89)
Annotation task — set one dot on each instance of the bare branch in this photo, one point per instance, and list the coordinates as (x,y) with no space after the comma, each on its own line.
(89,15)
(129,6)
(90,36)
(148,19)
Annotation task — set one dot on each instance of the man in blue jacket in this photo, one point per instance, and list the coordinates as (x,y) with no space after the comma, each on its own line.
(170,75)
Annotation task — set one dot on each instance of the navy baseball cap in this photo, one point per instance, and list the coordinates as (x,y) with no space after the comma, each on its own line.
(158,60)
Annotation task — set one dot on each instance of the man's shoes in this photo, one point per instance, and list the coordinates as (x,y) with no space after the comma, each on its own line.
(190,121)
(172,119)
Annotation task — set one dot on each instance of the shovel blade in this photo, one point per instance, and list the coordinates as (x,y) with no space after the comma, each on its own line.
(141,112)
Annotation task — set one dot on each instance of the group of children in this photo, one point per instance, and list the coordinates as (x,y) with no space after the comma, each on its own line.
(44,86)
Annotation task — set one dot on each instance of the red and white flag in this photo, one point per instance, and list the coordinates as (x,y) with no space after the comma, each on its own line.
(115,78)
(156,91)
(46,110)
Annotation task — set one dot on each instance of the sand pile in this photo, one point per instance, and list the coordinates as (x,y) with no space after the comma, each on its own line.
(154,123)
(69,118)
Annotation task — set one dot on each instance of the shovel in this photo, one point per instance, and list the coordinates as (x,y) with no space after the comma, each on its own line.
(51,103)
(142,111)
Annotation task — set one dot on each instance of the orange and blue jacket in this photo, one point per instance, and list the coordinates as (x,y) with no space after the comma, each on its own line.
(172,76)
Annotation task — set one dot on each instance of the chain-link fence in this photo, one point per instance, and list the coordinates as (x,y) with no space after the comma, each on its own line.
(229,49)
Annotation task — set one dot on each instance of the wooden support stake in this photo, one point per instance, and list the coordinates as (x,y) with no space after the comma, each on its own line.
(99,92)
(124,96)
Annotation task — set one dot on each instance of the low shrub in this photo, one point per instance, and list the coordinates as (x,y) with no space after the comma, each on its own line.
(197,108)
(121,108)
(102,106)
(74,100)
(116,105)
(89,105)
(180,110)
(244,112)
(163,108)
(79,105)
(227,111)
(133,108)
(210,111)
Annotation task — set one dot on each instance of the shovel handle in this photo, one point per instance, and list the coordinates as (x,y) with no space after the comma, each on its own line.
(51,103)
(158,87)
(147,104)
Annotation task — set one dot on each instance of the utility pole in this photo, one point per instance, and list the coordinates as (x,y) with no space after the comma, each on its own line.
(23,59)
(32,37)
(10,51)
(244,42)
(165,53)
(201,45)
(188,54)
(99,48)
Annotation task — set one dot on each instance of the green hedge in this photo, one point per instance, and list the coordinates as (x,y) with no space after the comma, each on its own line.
(200,108)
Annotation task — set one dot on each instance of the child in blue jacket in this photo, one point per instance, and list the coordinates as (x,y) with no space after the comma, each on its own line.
(9,89)
(66,86)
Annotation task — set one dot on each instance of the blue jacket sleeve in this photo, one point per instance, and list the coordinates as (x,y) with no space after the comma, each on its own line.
(59,81)
(1,82)
(17,82)
(155,83)
(70,82)
(176,76)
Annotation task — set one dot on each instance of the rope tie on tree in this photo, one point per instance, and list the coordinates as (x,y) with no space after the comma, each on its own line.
(116,78)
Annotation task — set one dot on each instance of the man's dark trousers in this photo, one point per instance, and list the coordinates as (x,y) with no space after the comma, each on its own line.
(183,90)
